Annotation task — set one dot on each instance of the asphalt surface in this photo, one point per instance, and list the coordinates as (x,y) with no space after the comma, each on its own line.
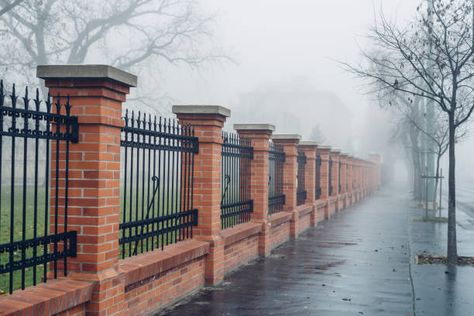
(361,262)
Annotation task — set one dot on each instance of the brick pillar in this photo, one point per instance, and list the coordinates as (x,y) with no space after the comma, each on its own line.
(96,95)
(289,144)
(358,179)
(309,149)
(259,135)
(208,122)
(357,174)
(343,159)
(324,152)
(350,189)
(335,153)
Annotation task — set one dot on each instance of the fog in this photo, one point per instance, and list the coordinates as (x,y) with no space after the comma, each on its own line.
(282,66)
(287,71)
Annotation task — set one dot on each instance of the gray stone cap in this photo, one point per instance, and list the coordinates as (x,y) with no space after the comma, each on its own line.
(201,109)
(308,143)
(336,150)
(286,136)
(325,147)
(254,127)
(86,71)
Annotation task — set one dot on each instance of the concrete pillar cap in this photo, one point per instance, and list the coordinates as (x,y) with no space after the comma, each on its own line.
(201,110)
(254,127)
(286,137)
(308,143)
(325,147)
(86,72)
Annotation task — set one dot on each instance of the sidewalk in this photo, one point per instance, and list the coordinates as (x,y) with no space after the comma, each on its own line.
(439,290)
(355,264)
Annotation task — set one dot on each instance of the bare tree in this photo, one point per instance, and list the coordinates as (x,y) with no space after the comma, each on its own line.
(431,59)
(317,134)
(6,6)
(438,134)
(129,34)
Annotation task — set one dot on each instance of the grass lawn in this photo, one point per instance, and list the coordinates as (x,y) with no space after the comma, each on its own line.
(5,231)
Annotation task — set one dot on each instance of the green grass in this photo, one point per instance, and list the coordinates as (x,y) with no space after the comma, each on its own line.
(5,230)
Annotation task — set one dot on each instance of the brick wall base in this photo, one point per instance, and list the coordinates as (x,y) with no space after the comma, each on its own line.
(280,234)
(162,290)
(241,245)
(158,279)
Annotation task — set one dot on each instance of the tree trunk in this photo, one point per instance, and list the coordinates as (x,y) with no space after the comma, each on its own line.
(435,193)
(452,242)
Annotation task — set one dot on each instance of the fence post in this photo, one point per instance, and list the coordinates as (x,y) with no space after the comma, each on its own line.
(208,122)
(96,94)
(343,159)
(350,191)
(335,153)
(259,135)
(309,149)
(290,167)
(323,152)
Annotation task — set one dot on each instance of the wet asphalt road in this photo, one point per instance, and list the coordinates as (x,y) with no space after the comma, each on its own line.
(358,263)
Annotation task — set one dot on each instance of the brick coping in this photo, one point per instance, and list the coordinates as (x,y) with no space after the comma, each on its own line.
(279,218)
(50,298)
(242,231)
(152,264)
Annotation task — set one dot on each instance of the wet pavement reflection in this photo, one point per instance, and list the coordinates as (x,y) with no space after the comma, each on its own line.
(361,262)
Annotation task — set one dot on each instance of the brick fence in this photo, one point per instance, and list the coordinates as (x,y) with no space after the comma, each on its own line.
(99,283)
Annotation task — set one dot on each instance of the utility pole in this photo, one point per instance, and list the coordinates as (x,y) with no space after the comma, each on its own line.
(430,122)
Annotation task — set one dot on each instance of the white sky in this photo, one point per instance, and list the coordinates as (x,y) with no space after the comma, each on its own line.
(276,40)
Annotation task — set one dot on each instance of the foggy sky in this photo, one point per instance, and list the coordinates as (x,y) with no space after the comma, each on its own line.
(274,41)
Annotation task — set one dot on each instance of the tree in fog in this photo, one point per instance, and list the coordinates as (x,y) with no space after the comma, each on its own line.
(128,34)
(6,6)
(432,59)
(317,134)
(437,133)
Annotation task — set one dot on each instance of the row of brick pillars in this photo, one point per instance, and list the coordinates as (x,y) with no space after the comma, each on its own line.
(208,122)
(97,94)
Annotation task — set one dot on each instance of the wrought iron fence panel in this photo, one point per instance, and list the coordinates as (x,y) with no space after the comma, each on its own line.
(34,233)
(236,203)
(276,197)
(318,177)
(156,183)
(301,193)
